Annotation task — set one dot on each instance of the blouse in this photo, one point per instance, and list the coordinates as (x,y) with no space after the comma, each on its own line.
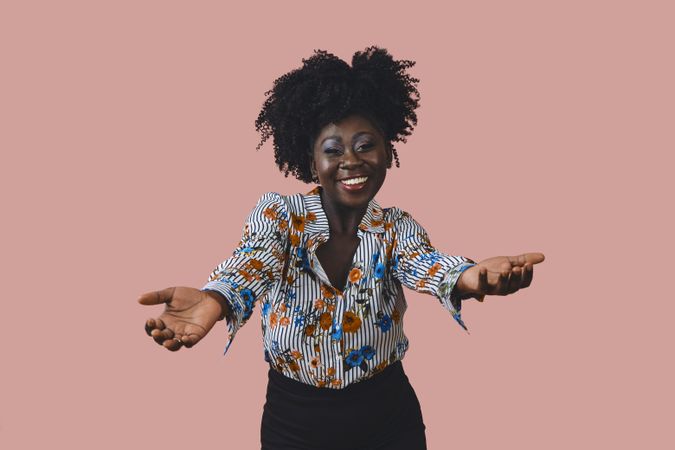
(313,332)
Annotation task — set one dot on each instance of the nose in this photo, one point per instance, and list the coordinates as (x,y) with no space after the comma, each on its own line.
(350,159)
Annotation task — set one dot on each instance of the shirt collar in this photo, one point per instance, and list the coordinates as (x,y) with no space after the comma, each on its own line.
(372,220)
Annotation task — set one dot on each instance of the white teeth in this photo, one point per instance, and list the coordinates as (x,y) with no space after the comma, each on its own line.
(355,180)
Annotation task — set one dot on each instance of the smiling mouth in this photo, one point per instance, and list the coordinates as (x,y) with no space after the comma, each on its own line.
(353,184)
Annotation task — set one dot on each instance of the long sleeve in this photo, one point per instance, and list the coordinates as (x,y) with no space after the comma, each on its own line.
(257,262)
(419,266)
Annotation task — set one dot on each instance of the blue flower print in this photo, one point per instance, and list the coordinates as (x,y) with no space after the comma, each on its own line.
(248,297)
(266,309)
(336,332)
(354,359)
(395,264)
(367,351)
(384,323)
(379,271)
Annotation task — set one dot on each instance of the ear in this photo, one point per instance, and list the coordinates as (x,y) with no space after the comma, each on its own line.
(312,168)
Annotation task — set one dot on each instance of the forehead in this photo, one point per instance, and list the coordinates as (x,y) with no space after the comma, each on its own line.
(347,127)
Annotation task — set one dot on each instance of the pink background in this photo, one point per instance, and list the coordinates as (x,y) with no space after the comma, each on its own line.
(129,165)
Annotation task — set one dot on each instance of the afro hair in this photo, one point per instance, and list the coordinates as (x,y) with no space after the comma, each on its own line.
(325,90)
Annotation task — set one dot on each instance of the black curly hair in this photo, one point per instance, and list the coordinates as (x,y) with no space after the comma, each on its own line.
(325,90)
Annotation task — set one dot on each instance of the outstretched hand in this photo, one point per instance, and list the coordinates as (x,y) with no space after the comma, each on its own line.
(499,275)
(188,316)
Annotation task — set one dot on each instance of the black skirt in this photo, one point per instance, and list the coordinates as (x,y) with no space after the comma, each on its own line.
(382,412)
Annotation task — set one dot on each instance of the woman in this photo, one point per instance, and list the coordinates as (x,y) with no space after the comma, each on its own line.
(327,267)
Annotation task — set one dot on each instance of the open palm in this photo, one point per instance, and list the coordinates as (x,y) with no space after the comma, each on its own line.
(188,316)
(499,275)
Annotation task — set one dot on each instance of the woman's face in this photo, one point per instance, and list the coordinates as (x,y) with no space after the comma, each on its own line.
(350,158)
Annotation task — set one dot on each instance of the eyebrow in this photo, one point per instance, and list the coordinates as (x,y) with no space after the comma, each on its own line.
(338,138)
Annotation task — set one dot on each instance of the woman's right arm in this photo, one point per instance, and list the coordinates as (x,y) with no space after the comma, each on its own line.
(233,287)
(256,265)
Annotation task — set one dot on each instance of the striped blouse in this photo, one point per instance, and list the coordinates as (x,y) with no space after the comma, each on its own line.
(312,331)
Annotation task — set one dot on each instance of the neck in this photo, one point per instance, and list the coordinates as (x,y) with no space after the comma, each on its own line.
(342,220)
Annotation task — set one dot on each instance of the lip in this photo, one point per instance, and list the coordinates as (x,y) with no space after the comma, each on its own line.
(353,187)
(354,176)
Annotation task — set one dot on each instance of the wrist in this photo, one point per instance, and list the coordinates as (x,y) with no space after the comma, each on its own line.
(221,300)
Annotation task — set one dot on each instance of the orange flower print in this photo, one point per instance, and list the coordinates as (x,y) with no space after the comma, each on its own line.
(284,321)
(314,191)
(283,225)
(295,240)
(336,382)
(289,279)
(325,321)
(388,226)
(311,216)
(396,316)
(273,319)
(355,275)
(256,264)
(331,308)
(294,366)
(282,307)
(433,269)
(315,362)
(420,284)
(320,383)
(381,365)
(375,223)
(296,354)
(319,303)
(326,291)
(270,213)
(350,322)
(317,348)
(331,371)
(298,222)
(309,330)
(245,274)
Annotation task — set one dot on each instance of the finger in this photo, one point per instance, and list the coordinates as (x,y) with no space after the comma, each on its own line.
(527,276)
(152,324)
(534,258)
(502,283)
(483,280)
(515,280)
(162,335)
(149,326)
(521,260)
(190,340)
(172,344)
(157,297)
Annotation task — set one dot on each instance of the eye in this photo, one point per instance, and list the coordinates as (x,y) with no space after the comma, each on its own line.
(332,150)
(365,146)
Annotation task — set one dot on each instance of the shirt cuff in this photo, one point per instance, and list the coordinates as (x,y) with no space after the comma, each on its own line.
(448,295)
(237,307)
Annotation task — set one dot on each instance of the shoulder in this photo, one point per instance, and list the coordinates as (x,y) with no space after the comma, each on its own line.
(395,215)
(401,223)
(274,205)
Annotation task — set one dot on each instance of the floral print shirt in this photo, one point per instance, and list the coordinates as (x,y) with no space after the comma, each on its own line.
(312,331)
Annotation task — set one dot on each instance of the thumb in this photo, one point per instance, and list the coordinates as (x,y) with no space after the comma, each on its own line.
(534,258)
(157,297)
